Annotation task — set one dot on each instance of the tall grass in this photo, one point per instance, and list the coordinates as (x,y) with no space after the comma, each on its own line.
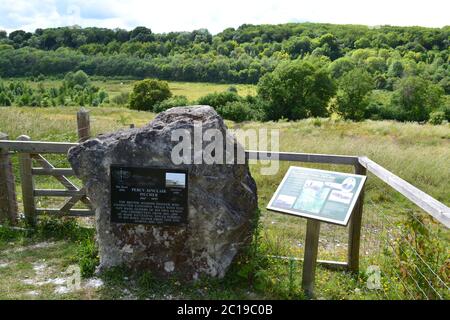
(418,153)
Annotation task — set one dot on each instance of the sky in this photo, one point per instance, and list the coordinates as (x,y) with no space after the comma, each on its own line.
(188,15)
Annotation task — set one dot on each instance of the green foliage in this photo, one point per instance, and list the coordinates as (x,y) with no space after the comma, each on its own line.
(340,66)
(218,100)
(446,110)
(7,233)
(240,55)
(62,228)
(296,90)
(416,98)
(121,99)
(422,257)
(79,78)
(175,101)
(146,280)
(233,107)
(4,100)
(437,117)
(75,90)
(87,256)
(148,93)
(238,111)
(353,94)
(232,89)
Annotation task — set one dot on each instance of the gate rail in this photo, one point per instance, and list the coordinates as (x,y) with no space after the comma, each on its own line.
(31,151)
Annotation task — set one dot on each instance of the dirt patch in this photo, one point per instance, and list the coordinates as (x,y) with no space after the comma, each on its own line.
(36,246)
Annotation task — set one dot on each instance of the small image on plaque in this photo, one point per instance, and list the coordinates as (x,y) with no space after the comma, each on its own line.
(313,197)
(285,201)
(143,195)
(177,180)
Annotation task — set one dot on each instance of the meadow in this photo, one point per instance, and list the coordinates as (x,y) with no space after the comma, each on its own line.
(418,153)
(114,87)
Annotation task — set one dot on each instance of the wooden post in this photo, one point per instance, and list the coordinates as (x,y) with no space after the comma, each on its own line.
(27,182)
(8,199)
(310,257)
(354,230)
(83,125)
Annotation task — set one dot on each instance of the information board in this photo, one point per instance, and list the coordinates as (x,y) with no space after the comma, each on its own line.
(318,194)
(148,195)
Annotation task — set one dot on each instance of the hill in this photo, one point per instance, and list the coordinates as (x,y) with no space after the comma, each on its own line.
(239,55)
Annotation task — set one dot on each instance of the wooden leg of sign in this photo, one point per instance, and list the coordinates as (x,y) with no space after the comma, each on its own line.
(354,231)
(310,259)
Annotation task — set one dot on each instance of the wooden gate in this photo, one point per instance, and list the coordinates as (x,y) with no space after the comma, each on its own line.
(45,168)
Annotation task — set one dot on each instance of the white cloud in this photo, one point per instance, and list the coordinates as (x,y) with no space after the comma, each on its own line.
(176,15)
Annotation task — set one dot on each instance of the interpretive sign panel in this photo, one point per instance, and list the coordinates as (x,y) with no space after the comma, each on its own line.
(318,194)
(148,195)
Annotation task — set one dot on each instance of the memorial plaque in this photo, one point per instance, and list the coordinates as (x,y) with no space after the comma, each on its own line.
(318,194)
(148,195)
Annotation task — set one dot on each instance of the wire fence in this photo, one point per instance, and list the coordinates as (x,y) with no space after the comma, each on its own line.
(404,252)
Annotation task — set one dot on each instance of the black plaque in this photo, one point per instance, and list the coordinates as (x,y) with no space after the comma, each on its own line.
(148,195)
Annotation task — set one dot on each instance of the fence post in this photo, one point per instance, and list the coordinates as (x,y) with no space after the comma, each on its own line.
(310,257)
(8,199)
(354,230)
(27,182)
(83,125)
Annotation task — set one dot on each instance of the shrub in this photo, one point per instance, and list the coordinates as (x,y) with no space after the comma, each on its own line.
(79,78)
(176,101)
(376,111)
(232,89)
(87,257)
(121,99)
(62,228)
(4,100)
(218,100)
(238,111)
(446,110)
(148,93)
(437,117)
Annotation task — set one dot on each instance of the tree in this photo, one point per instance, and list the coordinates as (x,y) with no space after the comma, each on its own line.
(340,66)
(416,98)
(296,90)
(141,34)
(329,43)
(353,94)
(148,93)
(79,78)
(396,69)
(297,46)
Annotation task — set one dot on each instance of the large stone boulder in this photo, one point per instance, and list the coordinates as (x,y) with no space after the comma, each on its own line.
(222,200)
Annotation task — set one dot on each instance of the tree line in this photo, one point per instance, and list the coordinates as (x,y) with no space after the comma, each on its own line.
(241,55)
(303,88)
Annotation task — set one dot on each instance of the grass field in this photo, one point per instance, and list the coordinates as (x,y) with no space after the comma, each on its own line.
(418,153)
(192,90)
